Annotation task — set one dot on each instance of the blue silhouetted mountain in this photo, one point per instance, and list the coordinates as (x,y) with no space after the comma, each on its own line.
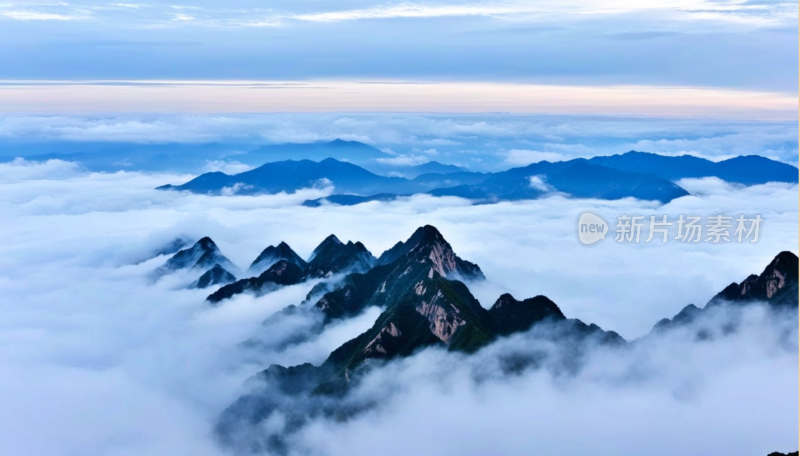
(635,174)
(350,200)
(272,255)
(290,176)
(412,172)
(204,254)
(128,156)
(576,178)
(214,276)
(351,151)
(172,246)
(439,180)
(168,248)
(278,275)
(777,286)
(747,170)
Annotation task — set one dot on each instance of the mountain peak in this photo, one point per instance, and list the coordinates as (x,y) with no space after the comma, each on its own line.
(330,239)
(272,255)
(217,275)
(776,284)
(203,254)
(332,256)
(429,232)
(508,315)
(206,244)
(427,245)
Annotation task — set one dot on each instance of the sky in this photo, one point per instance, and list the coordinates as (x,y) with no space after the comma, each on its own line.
(695,52)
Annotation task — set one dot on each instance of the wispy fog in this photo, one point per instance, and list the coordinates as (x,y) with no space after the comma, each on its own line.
(735,395)
(479,142)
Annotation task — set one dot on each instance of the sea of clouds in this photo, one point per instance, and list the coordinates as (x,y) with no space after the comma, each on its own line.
(479,142)
(97,360)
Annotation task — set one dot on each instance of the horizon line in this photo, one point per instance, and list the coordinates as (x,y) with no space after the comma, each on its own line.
(28,96)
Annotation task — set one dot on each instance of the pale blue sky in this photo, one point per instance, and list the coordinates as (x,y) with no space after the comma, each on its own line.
(731,44)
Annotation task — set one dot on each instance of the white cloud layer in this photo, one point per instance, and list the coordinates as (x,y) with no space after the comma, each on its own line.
(663,397)
(93,360)
(500,141)
(284,14)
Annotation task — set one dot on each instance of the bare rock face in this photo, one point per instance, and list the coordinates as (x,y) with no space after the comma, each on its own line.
(444,317)
(427,243)
(776,286)
(377,346)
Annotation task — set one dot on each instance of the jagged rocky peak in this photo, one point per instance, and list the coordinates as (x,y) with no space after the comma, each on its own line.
(428,244)
(280,274)
(508,315)
(777,284)
(272,255)
(214,276)
(333,256)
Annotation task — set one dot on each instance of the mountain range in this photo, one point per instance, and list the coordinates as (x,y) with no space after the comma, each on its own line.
(281,266)
(193,158)
(633,174)
(420,285)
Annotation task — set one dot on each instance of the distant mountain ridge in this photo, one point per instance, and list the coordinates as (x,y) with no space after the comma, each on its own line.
(634,174)
(338,149)
(745,169)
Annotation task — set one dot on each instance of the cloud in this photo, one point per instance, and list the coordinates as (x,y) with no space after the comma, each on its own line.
(227,167)
(521,157)
(404,160)
(540,183)
(409,10)
(20,169)
(500,141)
(96,360)
(244,14)
(36,16)
(650,399)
